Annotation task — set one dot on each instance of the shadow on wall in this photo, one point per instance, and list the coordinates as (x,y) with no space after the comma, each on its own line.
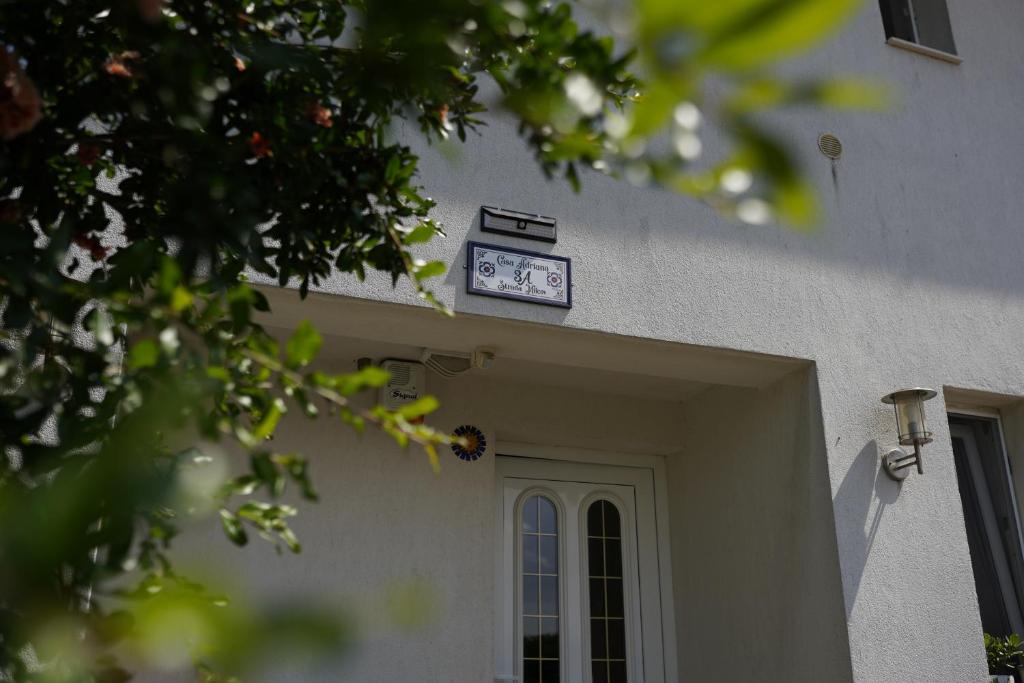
(863,496)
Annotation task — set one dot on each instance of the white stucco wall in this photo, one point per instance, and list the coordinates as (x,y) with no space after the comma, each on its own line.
(914,279)
(755,569)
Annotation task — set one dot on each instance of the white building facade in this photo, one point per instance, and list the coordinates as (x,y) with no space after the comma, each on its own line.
(681,480)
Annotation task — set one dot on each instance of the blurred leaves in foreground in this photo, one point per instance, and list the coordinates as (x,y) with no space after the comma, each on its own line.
(156,156)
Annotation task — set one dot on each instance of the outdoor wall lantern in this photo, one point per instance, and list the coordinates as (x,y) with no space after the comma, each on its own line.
(909,407)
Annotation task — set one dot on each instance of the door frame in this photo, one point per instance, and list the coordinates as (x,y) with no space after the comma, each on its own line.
(655,466)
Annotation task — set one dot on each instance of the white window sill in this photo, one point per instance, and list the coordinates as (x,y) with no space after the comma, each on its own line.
(924,50)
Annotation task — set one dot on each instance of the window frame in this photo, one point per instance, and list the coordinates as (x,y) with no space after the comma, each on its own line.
(886,8)
(954,410)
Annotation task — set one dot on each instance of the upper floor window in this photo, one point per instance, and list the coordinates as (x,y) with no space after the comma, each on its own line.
(923,23)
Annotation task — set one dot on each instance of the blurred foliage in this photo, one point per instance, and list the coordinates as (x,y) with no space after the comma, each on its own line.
(153,153)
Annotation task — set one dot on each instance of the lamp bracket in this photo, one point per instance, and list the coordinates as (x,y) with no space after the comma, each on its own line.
(897,462)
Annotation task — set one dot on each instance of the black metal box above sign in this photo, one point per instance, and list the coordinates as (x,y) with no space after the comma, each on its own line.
(509,273)
(517,224)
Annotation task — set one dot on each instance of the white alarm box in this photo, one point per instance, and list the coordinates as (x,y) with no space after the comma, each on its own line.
(407,383)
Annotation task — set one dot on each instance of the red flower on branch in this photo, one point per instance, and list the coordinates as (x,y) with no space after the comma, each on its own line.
(91,243)
(319,114)
(88,153)
(20,104)
(259,146)
(117,65)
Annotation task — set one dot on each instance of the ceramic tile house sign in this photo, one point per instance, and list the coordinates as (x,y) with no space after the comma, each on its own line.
(517,274)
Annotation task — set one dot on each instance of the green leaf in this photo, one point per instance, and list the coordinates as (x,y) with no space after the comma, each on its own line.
(289,538)
(796,203)
(418,408)
(259,301)
(168,277)
(239,303)
(772,29)
(233,527)
(181,299)
(422,271)
(357,422)
(435,462)
(241,486)
(298,468)
(654,107)
(269,422)
(435,303)
(219,373)
(143,354)
(392,169)
(852,93)
(303,345)
(267,471)
(421,233)
(763,94)
(370,377)
(791,196)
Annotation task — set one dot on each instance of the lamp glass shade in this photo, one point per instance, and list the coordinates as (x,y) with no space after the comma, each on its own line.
(910,419)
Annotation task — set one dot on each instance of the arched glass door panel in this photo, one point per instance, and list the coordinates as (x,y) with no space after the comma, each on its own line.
(540,604)
(607,609)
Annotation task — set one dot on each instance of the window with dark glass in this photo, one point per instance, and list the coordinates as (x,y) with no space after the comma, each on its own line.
(607,616)
(925,22)
(990,518)
(540,591)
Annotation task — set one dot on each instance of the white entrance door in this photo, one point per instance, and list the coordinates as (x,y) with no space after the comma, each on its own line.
(578,578)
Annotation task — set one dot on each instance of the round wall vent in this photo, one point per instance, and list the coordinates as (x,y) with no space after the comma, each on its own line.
(830,146)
